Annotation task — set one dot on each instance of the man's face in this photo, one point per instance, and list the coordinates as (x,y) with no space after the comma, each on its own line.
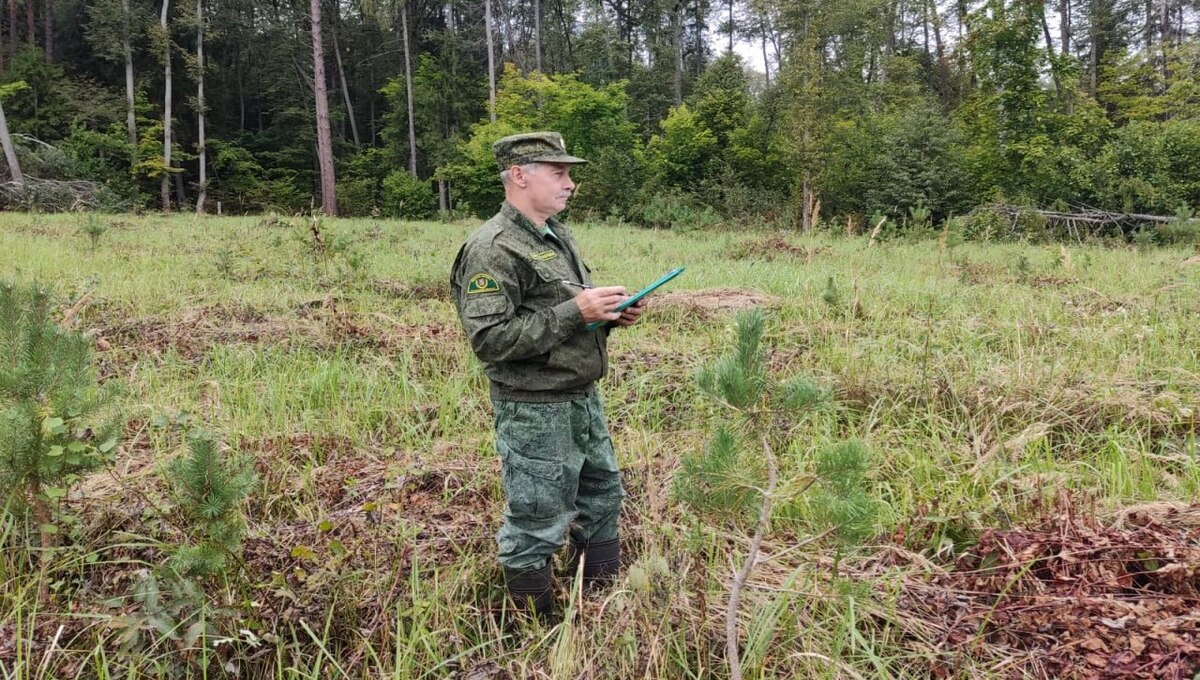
(549,186)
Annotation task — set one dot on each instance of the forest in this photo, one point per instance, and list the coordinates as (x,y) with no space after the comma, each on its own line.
(854,114)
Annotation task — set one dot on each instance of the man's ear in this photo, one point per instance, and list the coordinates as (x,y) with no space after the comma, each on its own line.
(517,175)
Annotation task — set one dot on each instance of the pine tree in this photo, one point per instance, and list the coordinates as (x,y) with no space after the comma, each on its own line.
(726,481)
(209,493)
(56,422)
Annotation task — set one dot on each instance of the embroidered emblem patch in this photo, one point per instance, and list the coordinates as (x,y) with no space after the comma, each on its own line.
(544,255)
(482,283)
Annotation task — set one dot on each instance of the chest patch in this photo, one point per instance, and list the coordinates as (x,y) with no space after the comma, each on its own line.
(543,256)
(482,283)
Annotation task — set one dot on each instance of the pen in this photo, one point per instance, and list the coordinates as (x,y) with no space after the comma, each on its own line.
(577,285)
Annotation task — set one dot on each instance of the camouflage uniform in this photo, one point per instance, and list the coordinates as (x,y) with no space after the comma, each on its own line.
(513,285)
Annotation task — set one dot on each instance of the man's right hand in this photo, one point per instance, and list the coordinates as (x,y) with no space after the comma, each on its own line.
(597,304)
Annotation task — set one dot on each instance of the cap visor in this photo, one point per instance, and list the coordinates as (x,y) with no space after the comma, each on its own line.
(570,160)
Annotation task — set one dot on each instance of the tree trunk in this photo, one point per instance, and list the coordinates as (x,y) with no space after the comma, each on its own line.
(345,88)
(762,25)
(1164,40)
(491,50)
(1064,26)
(509,40)
(241,88)
(14,37)
(566,28)
(30,24)
(537,35)
(130,119)
(1094,57)
(408,86)
(165,186)
(10,152)
(1049,49)
(943,68)
(48,29)
(203,185)
(677,31)
(324,138)
(731,26)
(180,189)
(1148,29)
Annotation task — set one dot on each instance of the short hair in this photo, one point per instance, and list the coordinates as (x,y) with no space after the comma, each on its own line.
(528,168)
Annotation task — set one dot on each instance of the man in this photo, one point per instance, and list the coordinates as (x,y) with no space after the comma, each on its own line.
(524,296)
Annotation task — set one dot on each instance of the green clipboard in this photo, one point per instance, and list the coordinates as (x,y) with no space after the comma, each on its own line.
(638,296)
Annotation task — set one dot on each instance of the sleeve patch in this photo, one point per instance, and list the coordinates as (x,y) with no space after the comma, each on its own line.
(482,283)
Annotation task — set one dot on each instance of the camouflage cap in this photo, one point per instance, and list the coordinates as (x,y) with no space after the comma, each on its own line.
(532,147)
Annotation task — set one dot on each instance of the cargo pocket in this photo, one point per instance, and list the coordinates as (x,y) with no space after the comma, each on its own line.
(531,486)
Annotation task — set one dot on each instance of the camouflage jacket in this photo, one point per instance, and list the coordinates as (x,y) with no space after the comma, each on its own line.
(512,285)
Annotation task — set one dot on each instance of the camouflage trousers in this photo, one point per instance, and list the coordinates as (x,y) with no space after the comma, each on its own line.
(560,476)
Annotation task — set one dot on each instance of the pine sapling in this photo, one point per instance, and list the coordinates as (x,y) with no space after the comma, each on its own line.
(93,228)
(56,422)
(209,492)
(736,479)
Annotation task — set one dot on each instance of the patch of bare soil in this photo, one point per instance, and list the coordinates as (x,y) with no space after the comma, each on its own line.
(774,247)
(716,299)
(375,519)
(322,323)
(196,331)
(979,273)
(1070,597)
(419,290)
(1191,261)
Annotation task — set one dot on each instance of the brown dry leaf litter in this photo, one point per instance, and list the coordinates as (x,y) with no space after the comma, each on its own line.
(1071,598)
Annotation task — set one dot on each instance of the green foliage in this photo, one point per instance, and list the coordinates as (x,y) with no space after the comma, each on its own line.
(209,489)
(1184,229)
(593,123)
(725,481)
(53,102)
(677,211)
(889,163)
(841,500)
(721,99)
(55,420)
(160,608)
(403,195)
(1151,167)
(93,228)
(683,154)
(1025,143)
(738,379)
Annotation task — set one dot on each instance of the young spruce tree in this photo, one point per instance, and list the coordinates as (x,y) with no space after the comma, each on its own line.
(725,482)
(209,492)
(56,422)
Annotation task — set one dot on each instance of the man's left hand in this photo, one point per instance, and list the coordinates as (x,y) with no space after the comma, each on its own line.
(631,314)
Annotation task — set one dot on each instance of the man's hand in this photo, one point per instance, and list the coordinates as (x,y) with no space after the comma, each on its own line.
(597,304)
(631,314)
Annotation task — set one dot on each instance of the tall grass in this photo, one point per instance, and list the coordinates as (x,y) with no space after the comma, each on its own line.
(987,379)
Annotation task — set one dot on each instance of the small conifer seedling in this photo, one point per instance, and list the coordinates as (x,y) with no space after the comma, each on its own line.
(209,492)
(56,422)
(725,482)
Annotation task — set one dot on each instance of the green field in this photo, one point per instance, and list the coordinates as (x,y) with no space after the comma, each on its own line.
(1022,403)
